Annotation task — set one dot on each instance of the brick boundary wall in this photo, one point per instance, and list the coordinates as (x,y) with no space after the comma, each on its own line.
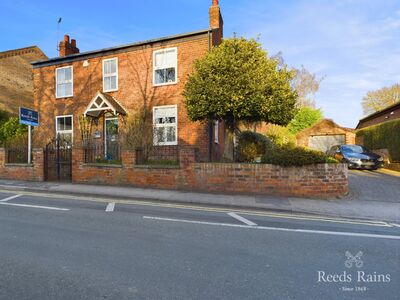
(319,181)
(31,172)
(315,181)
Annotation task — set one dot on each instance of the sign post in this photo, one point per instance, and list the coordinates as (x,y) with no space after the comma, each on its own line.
(31,118)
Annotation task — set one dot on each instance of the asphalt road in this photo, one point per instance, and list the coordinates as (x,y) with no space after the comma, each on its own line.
(60,247)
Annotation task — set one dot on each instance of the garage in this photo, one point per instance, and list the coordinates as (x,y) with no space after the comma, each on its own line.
(325,142)
(325,134)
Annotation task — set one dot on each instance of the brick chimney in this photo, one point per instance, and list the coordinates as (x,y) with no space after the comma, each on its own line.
(216,22)
(67,47)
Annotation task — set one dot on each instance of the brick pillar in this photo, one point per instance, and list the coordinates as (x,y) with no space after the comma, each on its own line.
(187,156)
(38,164)
(128,158)
(78,159)
(2,157)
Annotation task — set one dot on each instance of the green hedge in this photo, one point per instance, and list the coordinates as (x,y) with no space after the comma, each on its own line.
(383,136)
(252,145)
(288,156)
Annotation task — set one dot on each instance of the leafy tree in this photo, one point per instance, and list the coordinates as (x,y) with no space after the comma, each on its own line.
(11,129)
(305,118)
(237,81)
(377,100)
(305,83)
(4,115)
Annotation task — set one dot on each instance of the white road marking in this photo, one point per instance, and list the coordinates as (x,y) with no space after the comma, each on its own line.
(395,225)
(378,236)
(33,206)
(10,198)
(241,219)
(296,216)
(110,207)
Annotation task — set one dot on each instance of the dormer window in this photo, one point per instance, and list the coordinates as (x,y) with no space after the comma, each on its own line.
(110,75)
(64,82)
(165,66)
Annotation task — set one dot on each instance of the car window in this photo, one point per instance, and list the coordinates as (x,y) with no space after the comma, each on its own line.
(352,148)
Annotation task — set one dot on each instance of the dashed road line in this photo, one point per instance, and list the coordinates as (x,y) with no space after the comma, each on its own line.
(340,233)
(33,206)
(10,198)
(241,219)
(110,207)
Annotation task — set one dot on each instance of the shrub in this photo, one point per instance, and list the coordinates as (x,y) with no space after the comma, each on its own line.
(383,136)
(11,129)
(280,135)
(305,117)
(295,156)
(252,145)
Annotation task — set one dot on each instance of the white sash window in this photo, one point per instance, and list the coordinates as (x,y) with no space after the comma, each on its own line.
(110,75)
(165,121)
(165,66)
(64,82)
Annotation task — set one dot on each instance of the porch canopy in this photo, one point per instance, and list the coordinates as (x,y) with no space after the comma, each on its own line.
(103,103)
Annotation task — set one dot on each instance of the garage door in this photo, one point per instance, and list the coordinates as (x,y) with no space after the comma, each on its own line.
(325,142)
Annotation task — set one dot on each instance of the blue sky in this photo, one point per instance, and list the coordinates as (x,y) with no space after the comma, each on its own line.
(353,44)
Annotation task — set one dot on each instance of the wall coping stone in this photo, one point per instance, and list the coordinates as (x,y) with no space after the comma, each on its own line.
(100,165)
(157,166)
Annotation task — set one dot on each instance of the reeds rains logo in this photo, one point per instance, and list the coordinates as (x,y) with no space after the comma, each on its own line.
(353,263)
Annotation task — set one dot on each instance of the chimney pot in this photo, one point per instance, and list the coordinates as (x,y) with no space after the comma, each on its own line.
(67,47)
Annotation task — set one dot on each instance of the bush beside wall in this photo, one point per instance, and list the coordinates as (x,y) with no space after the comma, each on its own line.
(382,136)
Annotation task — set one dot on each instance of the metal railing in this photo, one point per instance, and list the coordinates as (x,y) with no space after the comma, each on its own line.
(158,155)
(17,155)
(102,153)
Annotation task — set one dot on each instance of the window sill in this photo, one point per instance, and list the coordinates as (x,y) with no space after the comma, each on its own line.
(65,97)
(110,91)
(19,165)
(164,84)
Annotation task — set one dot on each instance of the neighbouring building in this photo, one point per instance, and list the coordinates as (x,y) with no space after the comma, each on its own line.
(388,114)
(325,134)
(109,85)
(16,87)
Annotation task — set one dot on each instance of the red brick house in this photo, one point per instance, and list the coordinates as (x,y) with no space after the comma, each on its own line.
(388,114)
(16,87)
(110,84)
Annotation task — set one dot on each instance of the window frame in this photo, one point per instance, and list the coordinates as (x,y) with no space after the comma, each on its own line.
(114,74)
(65,131)
(155,126)
(155,52)
(72,82)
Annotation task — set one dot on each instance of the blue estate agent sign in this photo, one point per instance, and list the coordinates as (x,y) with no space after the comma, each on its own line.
(28,117)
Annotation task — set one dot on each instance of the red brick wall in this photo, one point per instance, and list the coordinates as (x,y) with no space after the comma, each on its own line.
(324,180)
(33,172)
(325,127)
(135,87)
(385,116)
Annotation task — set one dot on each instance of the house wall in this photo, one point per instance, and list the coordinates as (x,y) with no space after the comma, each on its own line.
(135,89)
(381,117)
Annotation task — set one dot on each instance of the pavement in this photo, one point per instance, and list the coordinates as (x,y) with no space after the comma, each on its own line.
(57,246)
(373,195)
